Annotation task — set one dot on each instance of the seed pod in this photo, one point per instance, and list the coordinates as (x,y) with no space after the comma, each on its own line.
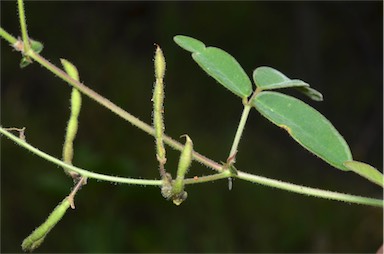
(179,195)
(158,110)
(37,236)
(72,125)
(185,158)
(159,63)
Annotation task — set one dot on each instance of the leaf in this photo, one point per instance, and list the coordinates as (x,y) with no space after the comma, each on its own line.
(225,69)
(219,64)
(311,93)
(366,171)
(25,61)
(37,47)
(306,125)
(267,78)
(188,43)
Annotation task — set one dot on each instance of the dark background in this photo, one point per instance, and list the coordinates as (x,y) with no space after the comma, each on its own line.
(334,46)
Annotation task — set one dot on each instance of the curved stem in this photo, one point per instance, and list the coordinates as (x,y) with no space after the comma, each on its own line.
(225,174)
(104,177)
(76,169)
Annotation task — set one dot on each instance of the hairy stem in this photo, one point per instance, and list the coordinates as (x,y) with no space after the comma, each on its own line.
(239,133)
(8,37)
(225,174)
(309,191)
(23,25)
(103,177)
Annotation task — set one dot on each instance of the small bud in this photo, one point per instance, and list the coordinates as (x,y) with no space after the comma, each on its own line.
(179,198)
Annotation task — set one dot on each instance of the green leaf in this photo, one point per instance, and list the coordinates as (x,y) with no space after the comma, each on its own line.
(25,61)
(219,64)
(188,43)
(267,78)
(366,171)
(306,125)
(37,47)
(311,93)
(225,69)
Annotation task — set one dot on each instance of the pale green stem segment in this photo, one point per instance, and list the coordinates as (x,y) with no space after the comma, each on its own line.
(37,236)
(239,133)
(240,128)
(23,26)
(178,193)
(8,37)
(158,110)
(310,191)
(72,126)
(82,172)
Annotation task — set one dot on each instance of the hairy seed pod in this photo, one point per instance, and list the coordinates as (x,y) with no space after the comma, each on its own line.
(158,109)
(179,195)
(72,125)
(37,236)
(159,63)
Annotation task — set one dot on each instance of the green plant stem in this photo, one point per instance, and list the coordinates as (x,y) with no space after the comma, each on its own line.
(103,177)
(309,191)
(23,25)
(225,174)
(76,169)
(239,132)
(8,37)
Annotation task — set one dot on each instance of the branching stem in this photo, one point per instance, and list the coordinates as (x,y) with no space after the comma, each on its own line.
(171,142)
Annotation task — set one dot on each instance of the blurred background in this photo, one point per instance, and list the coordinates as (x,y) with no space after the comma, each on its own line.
(336,47)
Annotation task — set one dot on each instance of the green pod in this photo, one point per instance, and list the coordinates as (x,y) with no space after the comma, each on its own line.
(159,63)
(178,193)
(185,158)
(72,125)
(158,101)
(38,235)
